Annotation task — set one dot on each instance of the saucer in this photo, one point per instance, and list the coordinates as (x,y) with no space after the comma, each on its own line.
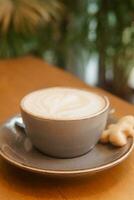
(16,148)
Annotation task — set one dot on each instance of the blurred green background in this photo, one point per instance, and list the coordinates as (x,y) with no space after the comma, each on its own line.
(94,39)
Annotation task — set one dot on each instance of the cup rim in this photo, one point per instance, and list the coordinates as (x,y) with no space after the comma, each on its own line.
(106,107)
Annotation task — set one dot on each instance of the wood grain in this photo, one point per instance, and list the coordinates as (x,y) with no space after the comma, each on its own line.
(21,76)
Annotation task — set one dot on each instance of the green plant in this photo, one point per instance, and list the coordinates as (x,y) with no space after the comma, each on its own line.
(20,22)
(68,33)
(114,42)
(69,38)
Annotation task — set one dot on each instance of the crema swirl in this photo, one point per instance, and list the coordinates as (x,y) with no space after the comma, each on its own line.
(63,103)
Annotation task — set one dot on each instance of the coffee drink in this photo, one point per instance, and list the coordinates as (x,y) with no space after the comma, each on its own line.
(63,103)
(64,122)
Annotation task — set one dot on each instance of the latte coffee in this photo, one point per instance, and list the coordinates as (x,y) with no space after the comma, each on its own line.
(63,103)
(64,122)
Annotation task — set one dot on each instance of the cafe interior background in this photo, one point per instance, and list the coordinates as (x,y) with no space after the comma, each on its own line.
(93,39)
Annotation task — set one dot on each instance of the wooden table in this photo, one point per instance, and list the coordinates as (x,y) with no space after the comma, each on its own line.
(17,78)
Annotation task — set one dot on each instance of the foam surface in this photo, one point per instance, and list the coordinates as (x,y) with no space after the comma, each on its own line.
(63,103)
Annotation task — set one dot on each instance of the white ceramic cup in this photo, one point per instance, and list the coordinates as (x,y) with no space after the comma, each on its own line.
(65,138)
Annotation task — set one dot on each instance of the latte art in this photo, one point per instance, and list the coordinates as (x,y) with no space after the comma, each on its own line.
(63,103)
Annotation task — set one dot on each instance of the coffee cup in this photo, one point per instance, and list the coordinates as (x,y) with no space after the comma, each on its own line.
(64,122)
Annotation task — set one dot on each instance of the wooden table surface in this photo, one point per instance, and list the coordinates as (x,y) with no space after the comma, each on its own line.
(21,76)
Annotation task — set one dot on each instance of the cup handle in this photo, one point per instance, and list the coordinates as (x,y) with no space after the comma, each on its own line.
(19,122)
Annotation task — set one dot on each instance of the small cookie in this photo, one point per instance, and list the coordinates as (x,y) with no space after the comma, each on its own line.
(118,133)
